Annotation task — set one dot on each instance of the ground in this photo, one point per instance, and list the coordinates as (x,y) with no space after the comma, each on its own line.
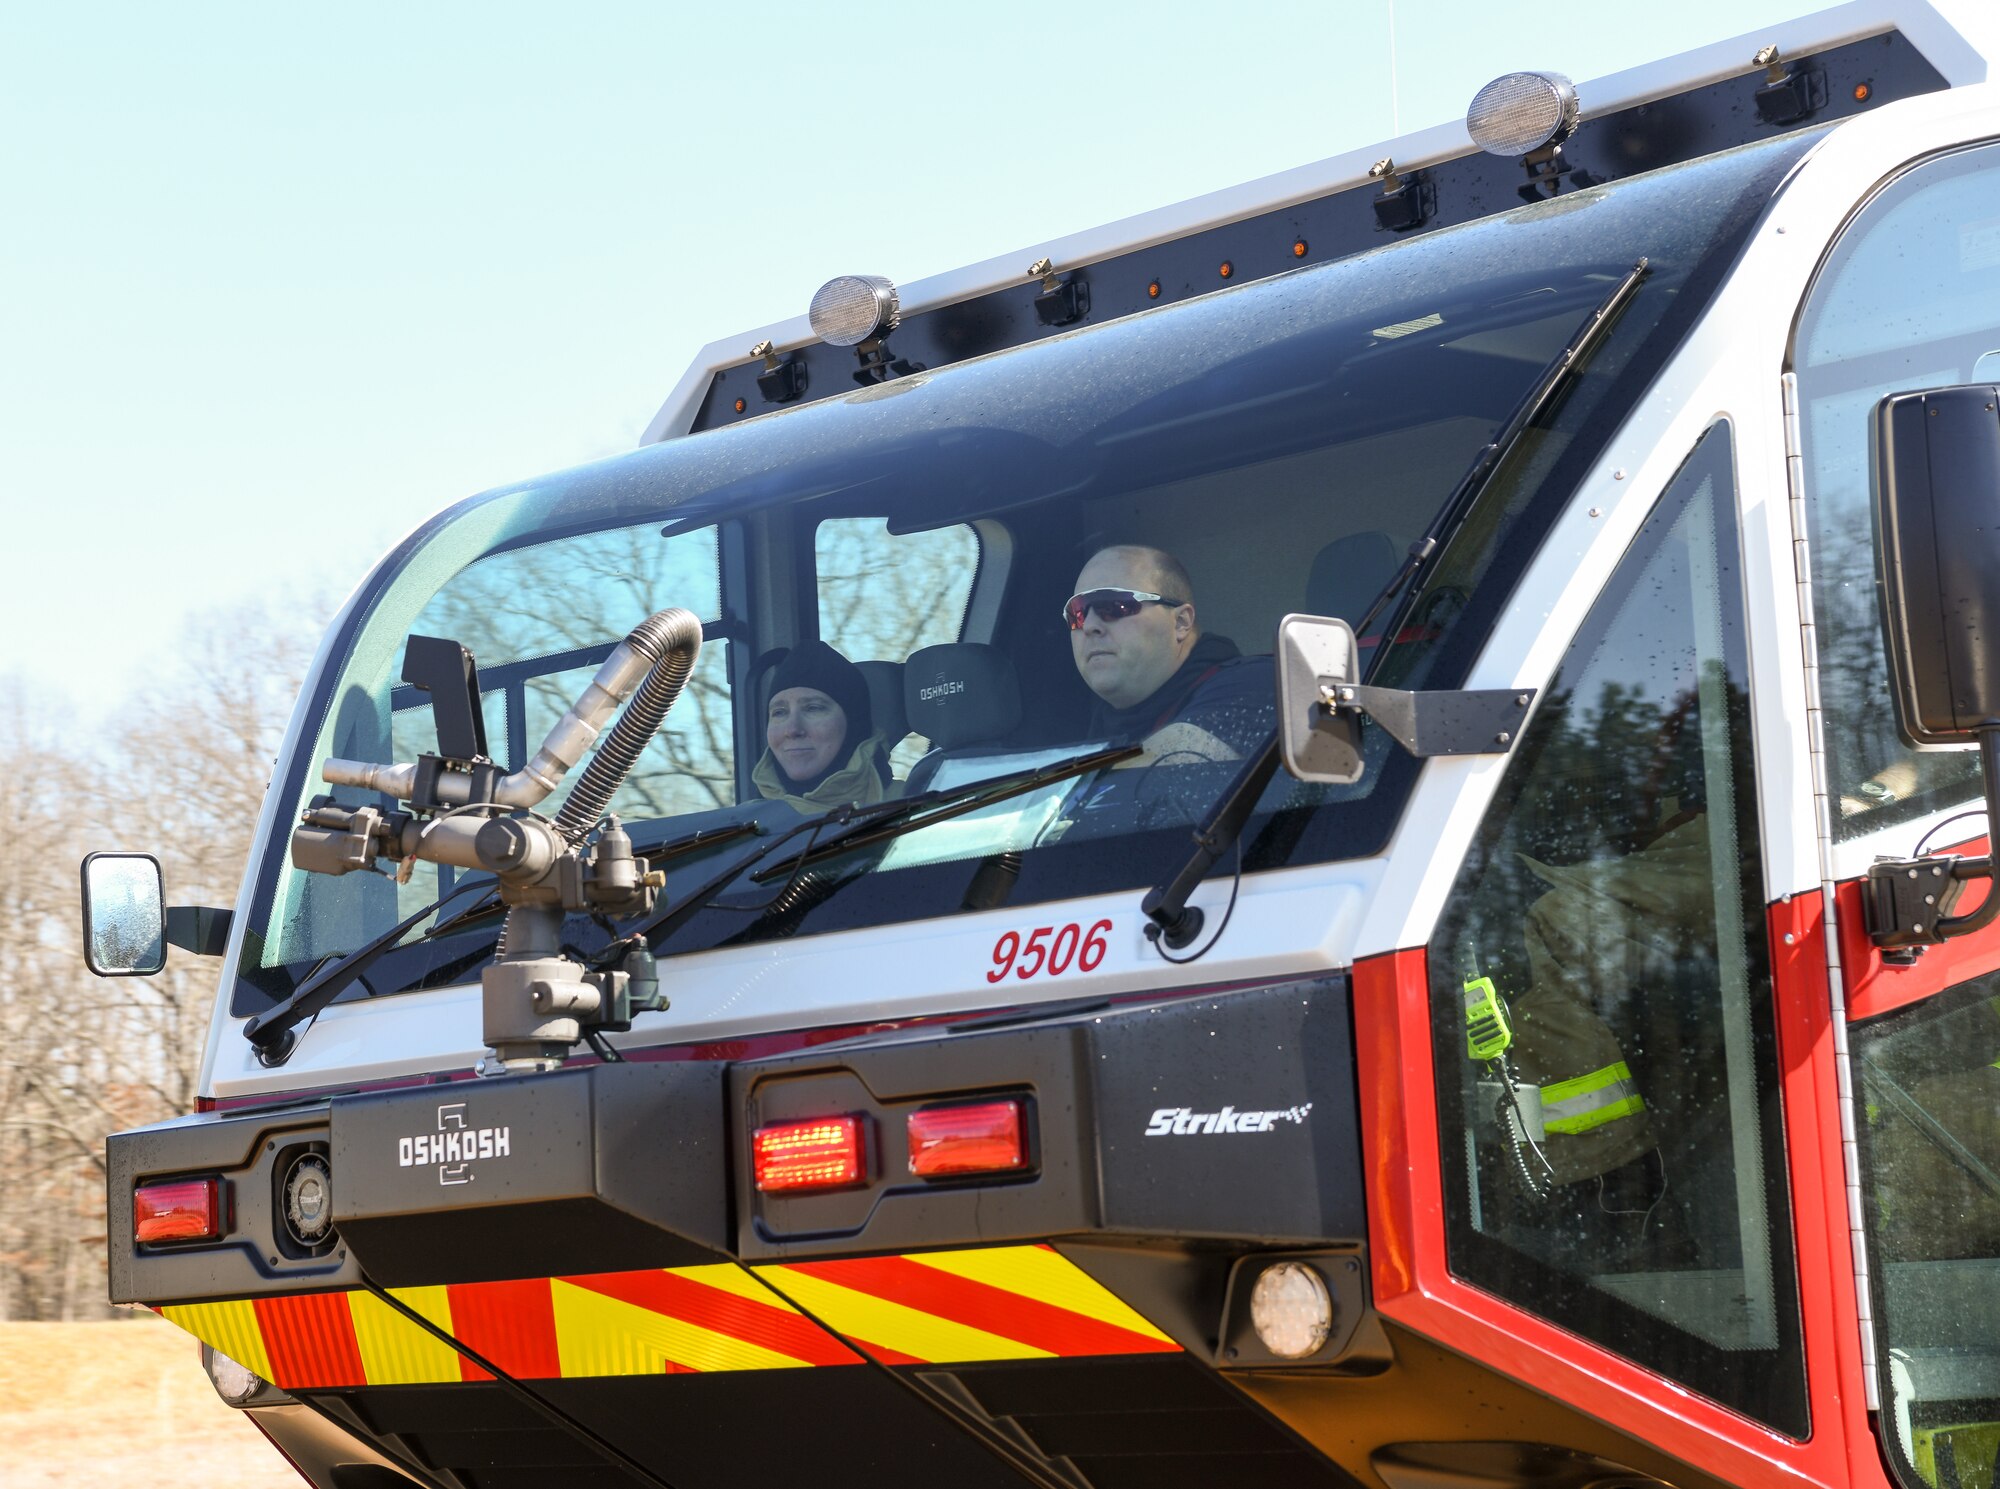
(124,1402)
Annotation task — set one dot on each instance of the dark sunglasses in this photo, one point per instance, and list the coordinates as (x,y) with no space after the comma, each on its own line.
(1110,605)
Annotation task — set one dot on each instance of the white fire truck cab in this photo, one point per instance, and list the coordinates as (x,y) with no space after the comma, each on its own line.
(1330,836)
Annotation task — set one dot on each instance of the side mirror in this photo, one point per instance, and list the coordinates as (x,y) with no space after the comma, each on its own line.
(1936,477)
(1316,652)
(1937,528)
(124,916)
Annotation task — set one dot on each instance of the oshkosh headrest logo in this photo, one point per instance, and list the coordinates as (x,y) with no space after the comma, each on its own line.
(942,688)
(1181,1121)
(454,1146)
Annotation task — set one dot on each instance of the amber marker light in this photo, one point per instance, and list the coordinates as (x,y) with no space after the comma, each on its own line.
(983,1139)
(1862,92)
(740,405)
(184,1210)
(1299,249)
(1153,290)
(824,1153)
(1227,269)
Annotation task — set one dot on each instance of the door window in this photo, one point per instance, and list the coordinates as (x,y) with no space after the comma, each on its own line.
(1909,298)
(1929,1083)
(1601,993)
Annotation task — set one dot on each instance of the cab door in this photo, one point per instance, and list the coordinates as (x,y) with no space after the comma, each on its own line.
(1908,297)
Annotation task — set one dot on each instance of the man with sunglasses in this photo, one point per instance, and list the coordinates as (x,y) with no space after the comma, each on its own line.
(1158,679)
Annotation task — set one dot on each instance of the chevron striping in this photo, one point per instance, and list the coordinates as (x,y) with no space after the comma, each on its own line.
(767,1322)
(962,1300)
(600,1335)
(894,1326)
(228,1327)
(1044,1274)
(394,1351)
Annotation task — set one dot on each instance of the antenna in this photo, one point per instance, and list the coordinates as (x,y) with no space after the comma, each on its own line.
(1395,103)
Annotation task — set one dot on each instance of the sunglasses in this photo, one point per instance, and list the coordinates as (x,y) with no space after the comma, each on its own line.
(1110,605)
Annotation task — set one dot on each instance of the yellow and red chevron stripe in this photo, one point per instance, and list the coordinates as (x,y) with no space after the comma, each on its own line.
(685,1319)
(993,1303)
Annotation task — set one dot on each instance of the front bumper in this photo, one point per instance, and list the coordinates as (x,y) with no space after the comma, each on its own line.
(588,1242)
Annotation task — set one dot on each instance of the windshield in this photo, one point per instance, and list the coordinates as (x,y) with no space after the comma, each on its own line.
(997,565)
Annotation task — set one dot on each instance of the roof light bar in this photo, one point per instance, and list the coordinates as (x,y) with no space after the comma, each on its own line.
(825,1153)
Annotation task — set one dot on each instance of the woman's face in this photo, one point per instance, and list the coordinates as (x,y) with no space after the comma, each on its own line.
(805,730)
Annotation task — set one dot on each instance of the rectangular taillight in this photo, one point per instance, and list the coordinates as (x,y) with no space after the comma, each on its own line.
(989,1138)
(825,1153)
(183,1210)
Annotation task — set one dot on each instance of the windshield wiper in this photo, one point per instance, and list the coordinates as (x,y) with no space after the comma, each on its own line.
(271,1030)
(857,826)
(1174,923)
(1553,380)
(954,801)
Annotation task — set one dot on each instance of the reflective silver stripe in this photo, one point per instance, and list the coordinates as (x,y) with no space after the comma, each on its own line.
(1590,1101)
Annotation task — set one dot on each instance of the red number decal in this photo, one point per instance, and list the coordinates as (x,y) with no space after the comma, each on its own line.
(1093,947)
(1059,957)
(1042,957)
(1038,944)
(1004,952)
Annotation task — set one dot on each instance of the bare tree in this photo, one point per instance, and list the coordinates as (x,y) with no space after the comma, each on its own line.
(183,775)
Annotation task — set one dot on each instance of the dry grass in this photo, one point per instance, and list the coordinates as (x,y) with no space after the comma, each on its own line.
(121,1403)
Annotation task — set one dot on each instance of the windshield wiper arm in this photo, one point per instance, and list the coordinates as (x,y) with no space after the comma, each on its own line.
(271,1030)
(1533,403)
(668,918)
(953,802)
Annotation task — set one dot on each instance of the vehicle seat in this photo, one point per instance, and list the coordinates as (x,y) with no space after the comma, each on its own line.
(963,697)
(1347,574)
(885,698)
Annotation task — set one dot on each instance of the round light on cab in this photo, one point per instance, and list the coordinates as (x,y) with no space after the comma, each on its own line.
(1291,1310)
(234,1383)
(854,308)
(1521,112)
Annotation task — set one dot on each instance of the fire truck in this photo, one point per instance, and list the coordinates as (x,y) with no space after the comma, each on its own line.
(1332,836)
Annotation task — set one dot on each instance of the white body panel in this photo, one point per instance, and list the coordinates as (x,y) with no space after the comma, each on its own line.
(1305,921)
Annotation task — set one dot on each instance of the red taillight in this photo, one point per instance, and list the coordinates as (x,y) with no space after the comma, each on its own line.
(822,1154)
(185,1210)
(983,1139)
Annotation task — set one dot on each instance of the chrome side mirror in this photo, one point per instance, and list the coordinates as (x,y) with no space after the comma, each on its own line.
(1316,743)
(124,915)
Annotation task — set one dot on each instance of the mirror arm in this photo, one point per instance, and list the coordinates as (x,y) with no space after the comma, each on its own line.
(201,929)
(1980,868)
(1904,900)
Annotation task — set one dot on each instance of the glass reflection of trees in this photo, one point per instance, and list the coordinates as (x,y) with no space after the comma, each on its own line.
(584,594)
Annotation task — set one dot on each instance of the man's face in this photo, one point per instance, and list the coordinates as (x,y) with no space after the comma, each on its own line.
(1125,661)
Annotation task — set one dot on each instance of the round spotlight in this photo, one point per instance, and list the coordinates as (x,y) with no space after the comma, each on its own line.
(1291,1310)
(854,308)
(1521,112)
(309,1201)
(234,1383)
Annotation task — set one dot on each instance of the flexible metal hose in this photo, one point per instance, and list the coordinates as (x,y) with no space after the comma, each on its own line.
(671,639)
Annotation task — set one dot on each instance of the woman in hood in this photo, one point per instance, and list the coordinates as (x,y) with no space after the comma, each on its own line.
(819,731)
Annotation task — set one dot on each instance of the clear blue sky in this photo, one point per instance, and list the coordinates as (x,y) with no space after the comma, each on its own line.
(279,282)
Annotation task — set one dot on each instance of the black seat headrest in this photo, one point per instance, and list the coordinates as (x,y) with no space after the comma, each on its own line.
(961,694)
(1348,573)
(885,697)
